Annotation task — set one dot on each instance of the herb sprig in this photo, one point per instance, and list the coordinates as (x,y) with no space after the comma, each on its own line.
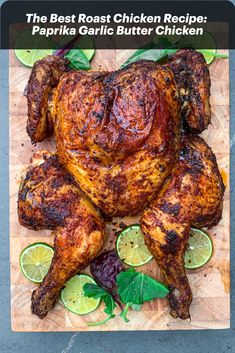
(135,288)
(149,54)
(153,52)
(93,291)
(78,59)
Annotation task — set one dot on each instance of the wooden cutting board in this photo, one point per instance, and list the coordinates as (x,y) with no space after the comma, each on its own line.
(210,284)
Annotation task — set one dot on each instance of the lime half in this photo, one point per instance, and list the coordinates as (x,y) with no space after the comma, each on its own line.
(199,249)
(131,247)
(73,297)
(35,261)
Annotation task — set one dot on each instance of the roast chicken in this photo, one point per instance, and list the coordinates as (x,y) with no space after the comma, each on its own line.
(126,145)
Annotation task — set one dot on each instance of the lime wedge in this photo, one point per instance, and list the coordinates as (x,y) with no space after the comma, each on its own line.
(199,249)
(131,247)
(73,297)
(35,261)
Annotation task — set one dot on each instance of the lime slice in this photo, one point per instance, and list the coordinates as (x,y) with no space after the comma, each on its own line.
(29,56)
(208,54)
(131,247)
(197,42)
(73,297)
(35,261)
(89,53)
(199,249)
(207,41)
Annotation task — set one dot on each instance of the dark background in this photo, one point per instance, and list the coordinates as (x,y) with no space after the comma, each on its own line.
(208,341)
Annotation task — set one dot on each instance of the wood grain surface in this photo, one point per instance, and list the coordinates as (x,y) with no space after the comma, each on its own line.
(210,284)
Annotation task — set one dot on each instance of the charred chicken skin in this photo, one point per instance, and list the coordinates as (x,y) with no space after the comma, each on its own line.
(48,199)
(191,196)
(120,142)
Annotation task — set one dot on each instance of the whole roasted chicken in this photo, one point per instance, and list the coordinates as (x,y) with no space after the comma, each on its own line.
(126,145)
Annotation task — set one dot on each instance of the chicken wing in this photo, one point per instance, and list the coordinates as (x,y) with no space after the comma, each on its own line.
(44,77)
(192,196)
(193,79)
(48,199)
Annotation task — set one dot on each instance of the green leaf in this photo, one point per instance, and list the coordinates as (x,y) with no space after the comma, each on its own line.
(110,305)
(78,59)
(93,291)
(149,54)
(137,288)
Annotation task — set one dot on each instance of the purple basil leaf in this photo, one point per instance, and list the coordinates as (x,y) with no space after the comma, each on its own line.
(105,269)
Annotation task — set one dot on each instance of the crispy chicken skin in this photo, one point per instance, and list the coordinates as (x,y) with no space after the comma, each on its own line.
(119,136)
(119,129)
(193,79)
(192,196)
(123,133)
(48,199)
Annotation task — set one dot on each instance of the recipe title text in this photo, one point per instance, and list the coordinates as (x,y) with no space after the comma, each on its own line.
(118,24)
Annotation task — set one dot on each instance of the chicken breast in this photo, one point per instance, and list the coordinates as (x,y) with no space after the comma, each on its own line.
(118,133)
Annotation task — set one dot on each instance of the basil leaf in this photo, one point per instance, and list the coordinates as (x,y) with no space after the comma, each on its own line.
(137,288)
(78,59)
(150,54)
(93,291)
(110,305)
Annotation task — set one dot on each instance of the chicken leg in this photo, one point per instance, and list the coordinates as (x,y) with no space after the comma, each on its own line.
(192,196)
(48,199)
